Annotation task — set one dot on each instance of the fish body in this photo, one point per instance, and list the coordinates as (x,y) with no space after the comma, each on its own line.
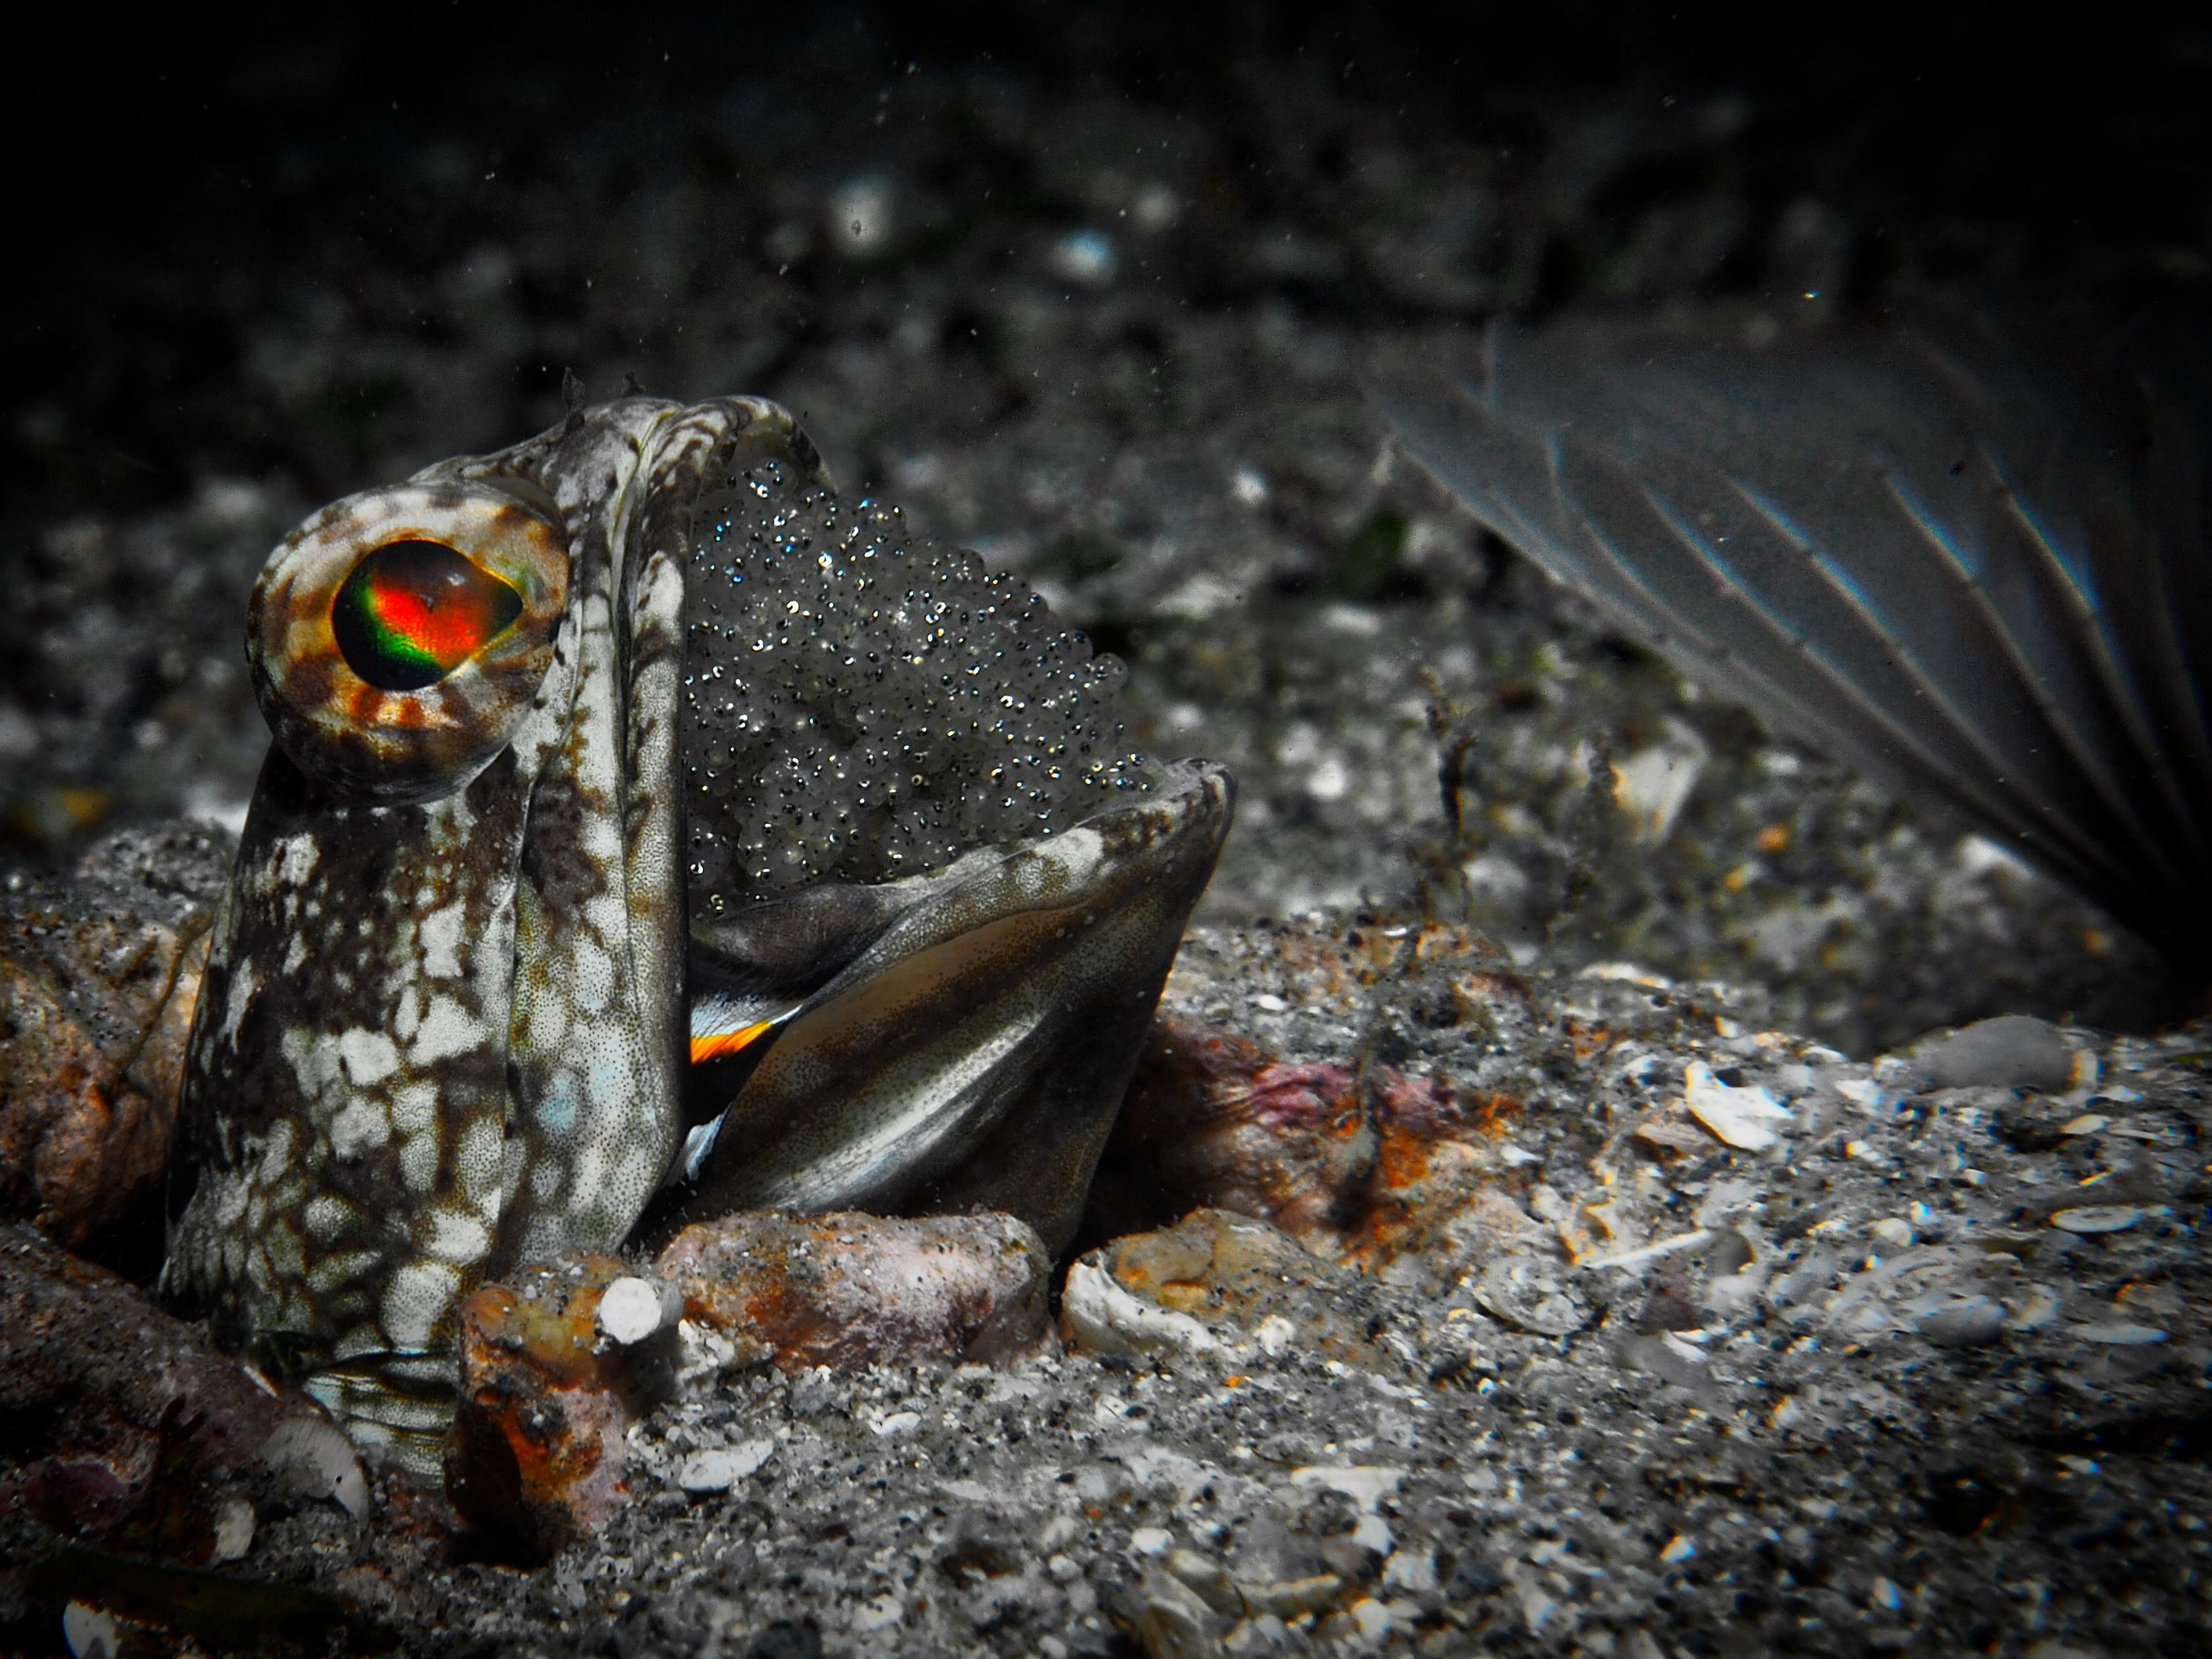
(522,937)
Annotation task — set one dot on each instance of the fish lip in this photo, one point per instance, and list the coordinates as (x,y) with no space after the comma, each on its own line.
(982,964)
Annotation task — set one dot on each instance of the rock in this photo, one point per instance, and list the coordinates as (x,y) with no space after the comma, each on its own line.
(537,1452)
(99,974)
(1969,1322)
(118,1424)
(1214,1280)
(1363,1169)
(846,1290)
(2012,1051)
(1212,1118)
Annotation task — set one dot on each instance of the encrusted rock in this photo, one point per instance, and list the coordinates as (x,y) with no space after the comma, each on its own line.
(538,1454)
(846,1290)
(557,1364)
(98,977)
(1213,1281)
(1363,1166)
(118,1424)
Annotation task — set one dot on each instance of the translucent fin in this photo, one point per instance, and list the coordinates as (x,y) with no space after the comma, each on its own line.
(1965,554)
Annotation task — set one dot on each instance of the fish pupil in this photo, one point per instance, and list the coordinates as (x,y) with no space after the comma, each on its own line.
(412,611)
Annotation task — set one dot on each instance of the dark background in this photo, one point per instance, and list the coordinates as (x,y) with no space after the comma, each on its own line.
(187,186)
(1124,273)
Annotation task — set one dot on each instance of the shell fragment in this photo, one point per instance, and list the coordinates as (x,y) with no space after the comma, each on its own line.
(1739,1117)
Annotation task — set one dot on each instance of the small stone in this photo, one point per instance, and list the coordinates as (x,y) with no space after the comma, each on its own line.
(1173,1623)
(1968,1323)
(1410,1569)
(1364,1484)
(2096,1218)
(91,1632)
(2120,1335)
(884,1610)
(1212,1280)
(722,1468)
(1099,1314)
(1206,1579)
(2012,1051)
(1371,1618)
(1151,1541)
(1288,1598)
(311,1457)
(233,1529)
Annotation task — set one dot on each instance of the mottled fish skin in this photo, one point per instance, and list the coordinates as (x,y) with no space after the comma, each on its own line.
(434,1038)
(444,1028)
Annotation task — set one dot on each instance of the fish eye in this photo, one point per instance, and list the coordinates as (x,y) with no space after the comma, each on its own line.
(412,611)
(398,638)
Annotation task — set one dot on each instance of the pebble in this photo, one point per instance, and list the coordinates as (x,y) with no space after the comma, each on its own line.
(1966,1324)
(630,1309)
(2012,1051)
(1531,1293)
(723,1466)
(2096,1218)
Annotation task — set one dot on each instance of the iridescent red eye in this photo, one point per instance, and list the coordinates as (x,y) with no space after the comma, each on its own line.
(413,611)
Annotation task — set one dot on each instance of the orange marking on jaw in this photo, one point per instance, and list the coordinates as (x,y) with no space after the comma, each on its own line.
(728,1043)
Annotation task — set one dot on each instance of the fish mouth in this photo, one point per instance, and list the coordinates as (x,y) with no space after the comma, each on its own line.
(956,1041)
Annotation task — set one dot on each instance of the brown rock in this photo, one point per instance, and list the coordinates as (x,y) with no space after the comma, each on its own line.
(119,1423)
(846,1290)
(538,1454)
(98,978)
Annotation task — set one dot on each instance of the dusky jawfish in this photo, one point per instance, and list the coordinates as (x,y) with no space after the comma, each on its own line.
(648,827)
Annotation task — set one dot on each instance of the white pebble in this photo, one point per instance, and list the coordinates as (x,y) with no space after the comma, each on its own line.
(630,1309)
(722,1468)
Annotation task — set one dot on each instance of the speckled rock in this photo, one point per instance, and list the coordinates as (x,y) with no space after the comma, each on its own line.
(120,1425)
(846,1290)
(99,974)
